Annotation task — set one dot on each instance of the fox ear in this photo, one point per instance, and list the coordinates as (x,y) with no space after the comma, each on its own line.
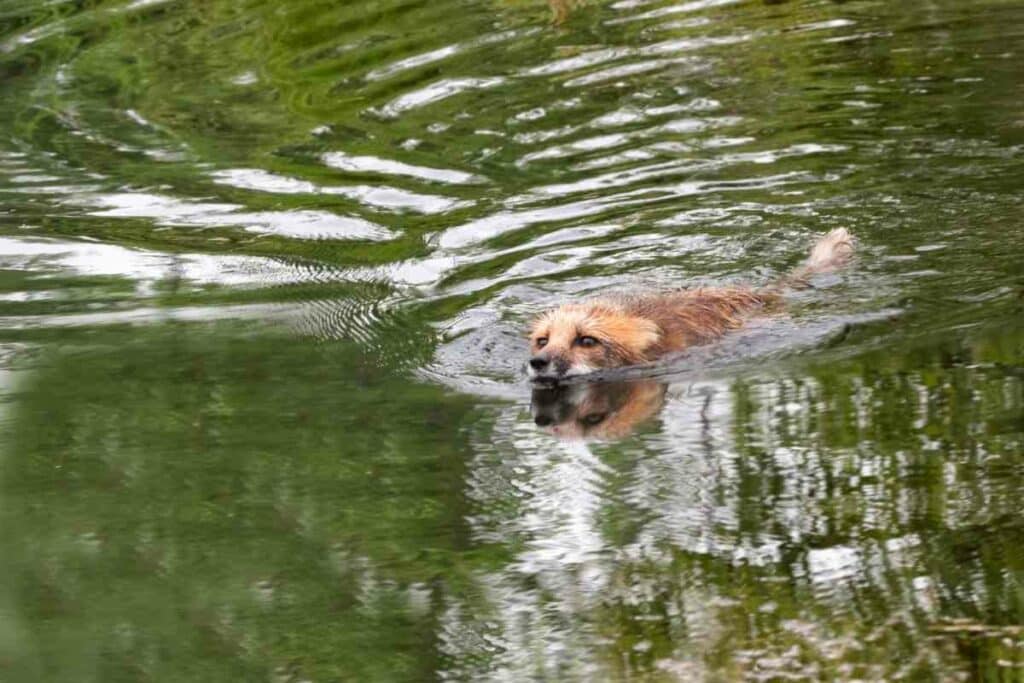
(630,336)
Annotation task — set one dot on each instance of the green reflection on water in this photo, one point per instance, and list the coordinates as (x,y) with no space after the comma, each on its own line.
(233,500)
(182,498)
(213,503)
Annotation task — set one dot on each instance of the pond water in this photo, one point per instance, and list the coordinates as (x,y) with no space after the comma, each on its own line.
(265,274)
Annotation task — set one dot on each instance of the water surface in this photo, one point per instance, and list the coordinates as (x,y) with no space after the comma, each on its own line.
(265,271)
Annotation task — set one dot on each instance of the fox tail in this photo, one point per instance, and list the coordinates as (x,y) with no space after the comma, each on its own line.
(829,254)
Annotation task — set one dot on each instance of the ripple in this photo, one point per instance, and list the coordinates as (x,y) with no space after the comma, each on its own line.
(611,141)
(59,257)
(489,227)
(632,114)
(369,164)
(471,165)
(170,211)
(31,36)
(435,92)
(501,223)
(151,315)
(443,53)
(376,196)
(684,8)
(141,4)
(600,57)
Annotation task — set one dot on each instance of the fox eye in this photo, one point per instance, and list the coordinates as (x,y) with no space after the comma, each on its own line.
(587,342)
(542,342)
(593,419)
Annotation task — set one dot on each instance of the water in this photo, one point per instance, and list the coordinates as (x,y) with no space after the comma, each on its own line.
(265,272)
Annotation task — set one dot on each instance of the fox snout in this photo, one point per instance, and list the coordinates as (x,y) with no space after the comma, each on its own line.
(548,366)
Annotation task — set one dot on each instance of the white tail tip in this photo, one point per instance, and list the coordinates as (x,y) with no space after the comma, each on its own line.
(832,251)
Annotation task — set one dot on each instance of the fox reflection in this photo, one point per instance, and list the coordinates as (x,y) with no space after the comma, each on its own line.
(606,410)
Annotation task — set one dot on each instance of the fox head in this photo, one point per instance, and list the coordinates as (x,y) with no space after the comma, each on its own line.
(576,339)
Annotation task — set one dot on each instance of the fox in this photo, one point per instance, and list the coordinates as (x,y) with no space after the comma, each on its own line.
(595,411)
(618,330)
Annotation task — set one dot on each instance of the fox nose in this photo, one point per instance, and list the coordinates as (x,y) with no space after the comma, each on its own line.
(539,362)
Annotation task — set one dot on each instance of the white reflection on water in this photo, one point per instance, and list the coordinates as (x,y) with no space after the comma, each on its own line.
(606,55)
(690,488)
(144,267)
(45,258)
(149,315)
(376,196)
(371,164)
(682,8)
(442,53)
(500,223)
(170,211)
(435,92)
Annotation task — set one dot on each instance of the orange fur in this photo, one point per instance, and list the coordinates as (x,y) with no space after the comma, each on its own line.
(638,329)
(617,330)
(629,336)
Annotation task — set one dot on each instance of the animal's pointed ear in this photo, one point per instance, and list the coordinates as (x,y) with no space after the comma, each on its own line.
(631,336)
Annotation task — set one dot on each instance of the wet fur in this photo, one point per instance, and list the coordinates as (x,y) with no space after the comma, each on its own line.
(640,328)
